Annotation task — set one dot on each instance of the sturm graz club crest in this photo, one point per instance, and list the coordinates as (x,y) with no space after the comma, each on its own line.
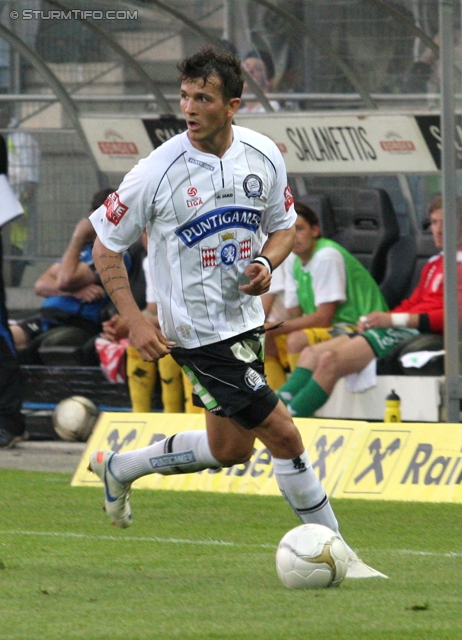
(227,252)
(253,379)
(253,186)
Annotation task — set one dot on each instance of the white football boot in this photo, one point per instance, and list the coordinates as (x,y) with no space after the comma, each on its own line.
(358,569)
(117,493)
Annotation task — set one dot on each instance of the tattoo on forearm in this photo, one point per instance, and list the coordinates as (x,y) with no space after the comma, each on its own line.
(113,292)
(113,276)
(110,267)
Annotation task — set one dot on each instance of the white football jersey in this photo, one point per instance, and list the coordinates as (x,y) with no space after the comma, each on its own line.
(206,218)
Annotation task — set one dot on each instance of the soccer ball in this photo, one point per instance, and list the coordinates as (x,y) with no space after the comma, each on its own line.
(74,418)
(311,556)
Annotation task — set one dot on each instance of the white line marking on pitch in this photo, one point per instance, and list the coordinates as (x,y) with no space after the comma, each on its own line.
(414,552)
(448,554)
(217,543)
(55,534)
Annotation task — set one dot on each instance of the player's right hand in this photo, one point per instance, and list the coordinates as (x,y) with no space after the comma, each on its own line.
(149,341)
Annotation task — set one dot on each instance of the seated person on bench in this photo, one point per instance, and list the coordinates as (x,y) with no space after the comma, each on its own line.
(321,366)
(326,291)
(74,296)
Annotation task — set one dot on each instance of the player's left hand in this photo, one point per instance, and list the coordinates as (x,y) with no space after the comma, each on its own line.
(260,279)
(374,320)
(148,340)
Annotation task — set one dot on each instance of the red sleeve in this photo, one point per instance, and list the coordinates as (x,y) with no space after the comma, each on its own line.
(430,309)
(416,297)
(436,319)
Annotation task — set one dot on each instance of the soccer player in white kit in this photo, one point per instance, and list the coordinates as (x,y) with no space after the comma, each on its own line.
(219,217)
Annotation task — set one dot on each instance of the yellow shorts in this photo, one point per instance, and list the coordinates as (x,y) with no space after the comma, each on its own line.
(313,336)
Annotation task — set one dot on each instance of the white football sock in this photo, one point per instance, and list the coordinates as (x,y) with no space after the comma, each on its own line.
(304,492)
(185,452)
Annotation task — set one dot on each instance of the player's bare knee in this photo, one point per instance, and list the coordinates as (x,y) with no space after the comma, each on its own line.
(329,364)
(286,447)
(288,441)
(296,341)
(308,358)
(229,459)
(283,441)
(327,358)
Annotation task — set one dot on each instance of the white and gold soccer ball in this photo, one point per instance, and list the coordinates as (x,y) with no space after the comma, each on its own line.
(74,418)
(311,556)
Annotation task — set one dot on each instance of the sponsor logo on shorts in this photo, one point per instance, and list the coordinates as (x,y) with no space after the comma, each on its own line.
(172,460)
(253,186)
(253,379)
(115,209)
(388,337)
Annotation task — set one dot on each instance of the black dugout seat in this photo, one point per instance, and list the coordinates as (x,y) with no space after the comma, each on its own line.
(321,205)
(425,248)
(372,229)
(400,267)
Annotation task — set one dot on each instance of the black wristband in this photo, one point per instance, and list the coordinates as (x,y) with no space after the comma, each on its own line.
(264,261)
(424,323)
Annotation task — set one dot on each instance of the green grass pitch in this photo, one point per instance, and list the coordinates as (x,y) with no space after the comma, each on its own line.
(201,566)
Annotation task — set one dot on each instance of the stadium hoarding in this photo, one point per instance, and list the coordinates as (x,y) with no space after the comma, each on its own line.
(347,144)
(406,461)
(118,143)
(353,459)
(316,144)
(125,433)
(430,126)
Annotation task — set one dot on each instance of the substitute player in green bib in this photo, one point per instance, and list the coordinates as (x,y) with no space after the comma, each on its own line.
(326,291)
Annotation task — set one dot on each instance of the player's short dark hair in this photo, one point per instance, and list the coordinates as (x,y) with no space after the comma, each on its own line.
(99,197)
(208,62)
(307,213)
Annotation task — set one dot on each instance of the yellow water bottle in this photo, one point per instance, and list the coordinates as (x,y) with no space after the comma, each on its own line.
(392,407)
